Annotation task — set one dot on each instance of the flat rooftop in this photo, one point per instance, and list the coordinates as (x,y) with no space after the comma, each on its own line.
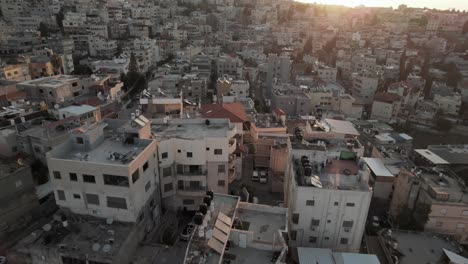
(191,128)
(413,247)
(53,81)
(444,187)
(453,154)
(84,235)
(327,256)
(249,255)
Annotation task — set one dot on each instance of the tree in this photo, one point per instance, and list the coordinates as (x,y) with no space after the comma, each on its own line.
(59,17)
(453,75)
(44,29)
(308,46)
(133,72)
(57,63)
(290,13)
(428,87)
(465,27)
(440,122)
(403,66)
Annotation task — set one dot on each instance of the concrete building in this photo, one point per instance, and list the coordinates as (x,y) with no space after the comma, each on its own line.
(54,89)
(292,100)
(327,256)
(406,247)
(40,66)
(327,193)
(17,72)
(102,47)
(108,170)
(386,107)
(450,104)
(115,66)
(229,66)
(195,156)
(279,69)
(255,242)
(365,85)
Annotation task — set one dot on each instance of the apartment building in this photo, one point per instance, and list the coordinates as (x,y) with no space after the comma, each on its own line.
(40,66)
(54,89)
(292,100)
(278,68)
(102,47)
(16,72)
(386,107)
(230,66)
(328,195)
(365,85)
(443,192)
(450,104)
(108,171)
(195,155)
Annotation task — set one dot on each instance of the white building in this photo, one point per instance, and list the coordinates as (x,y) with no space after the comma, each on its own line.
(107,175)
(116,65)
(365,85)
(102,47)
(386,107)
(449,104)
(230,66)
(194,156)
(327,193)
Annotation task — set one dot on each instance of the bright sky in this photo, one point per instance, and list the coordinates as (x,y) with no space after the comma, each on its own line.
(439,4)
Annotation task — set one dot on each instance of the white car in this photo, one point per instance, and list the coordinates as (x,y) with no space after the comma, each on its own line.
(255,176)
(263,177)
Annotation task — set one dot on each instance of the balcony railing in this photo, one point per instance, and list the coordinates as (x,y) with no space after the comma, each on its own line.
(232,175)
(232,145)
(192,191)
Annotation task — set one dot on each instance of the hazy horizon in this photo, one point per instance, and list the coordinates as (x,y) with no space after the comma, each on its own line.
(439,4)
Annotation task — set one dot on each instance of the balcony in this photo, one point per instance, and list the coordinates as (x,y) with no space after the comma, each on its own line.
(232,145)
(192,191)
(232,175)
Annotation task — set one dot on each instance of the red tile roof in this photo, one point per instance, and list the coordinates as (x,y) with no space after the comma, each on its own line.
(235,112)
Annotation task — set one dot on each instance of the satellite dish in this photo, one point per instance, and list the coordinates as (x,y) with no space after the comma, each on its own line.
(106,248)
(109,221)
(96,247)
(47,227)
(56,106)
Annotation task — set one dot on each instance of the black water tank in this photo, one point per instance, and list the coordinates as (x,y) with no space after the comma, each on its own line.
(210,193)
(207,200)
(198,218)
(203,208)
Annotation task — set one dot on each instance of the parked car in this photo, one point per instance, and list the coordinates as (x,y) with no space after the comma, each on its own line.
(255,176)
(263,177)
(375,221)
(3,260)
(187,232)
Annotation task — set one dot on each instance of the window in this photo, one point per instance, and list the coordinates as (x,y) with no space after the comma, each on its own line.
(221,183)
(350,204)
(116,180)
(74,84)
(335,204)
(167,171)
(135,176)
(147,186)
(79,140)
(92,198)
(57,175)
(61,195)
(167,187)
(312,239)
(315,222)
(76,196)
(188,201)
(221,169)
(344,241)
(207,149)
(293,235)
(189,154)
(180,185)
(164,155)
(310,202)
(218,152)
(328,221)
(327,238)
(348,224)
(179,151)
(145,166)
(89,178)
(295,218)
(141,217)
(116,202)
(73,176)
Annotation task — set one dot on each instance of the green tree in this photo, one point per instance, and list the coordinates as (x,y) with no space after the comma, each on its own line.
(453,75)
(465,27)
(133,72)
(44,29)
(440,122)
(59,17)
(57,63)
